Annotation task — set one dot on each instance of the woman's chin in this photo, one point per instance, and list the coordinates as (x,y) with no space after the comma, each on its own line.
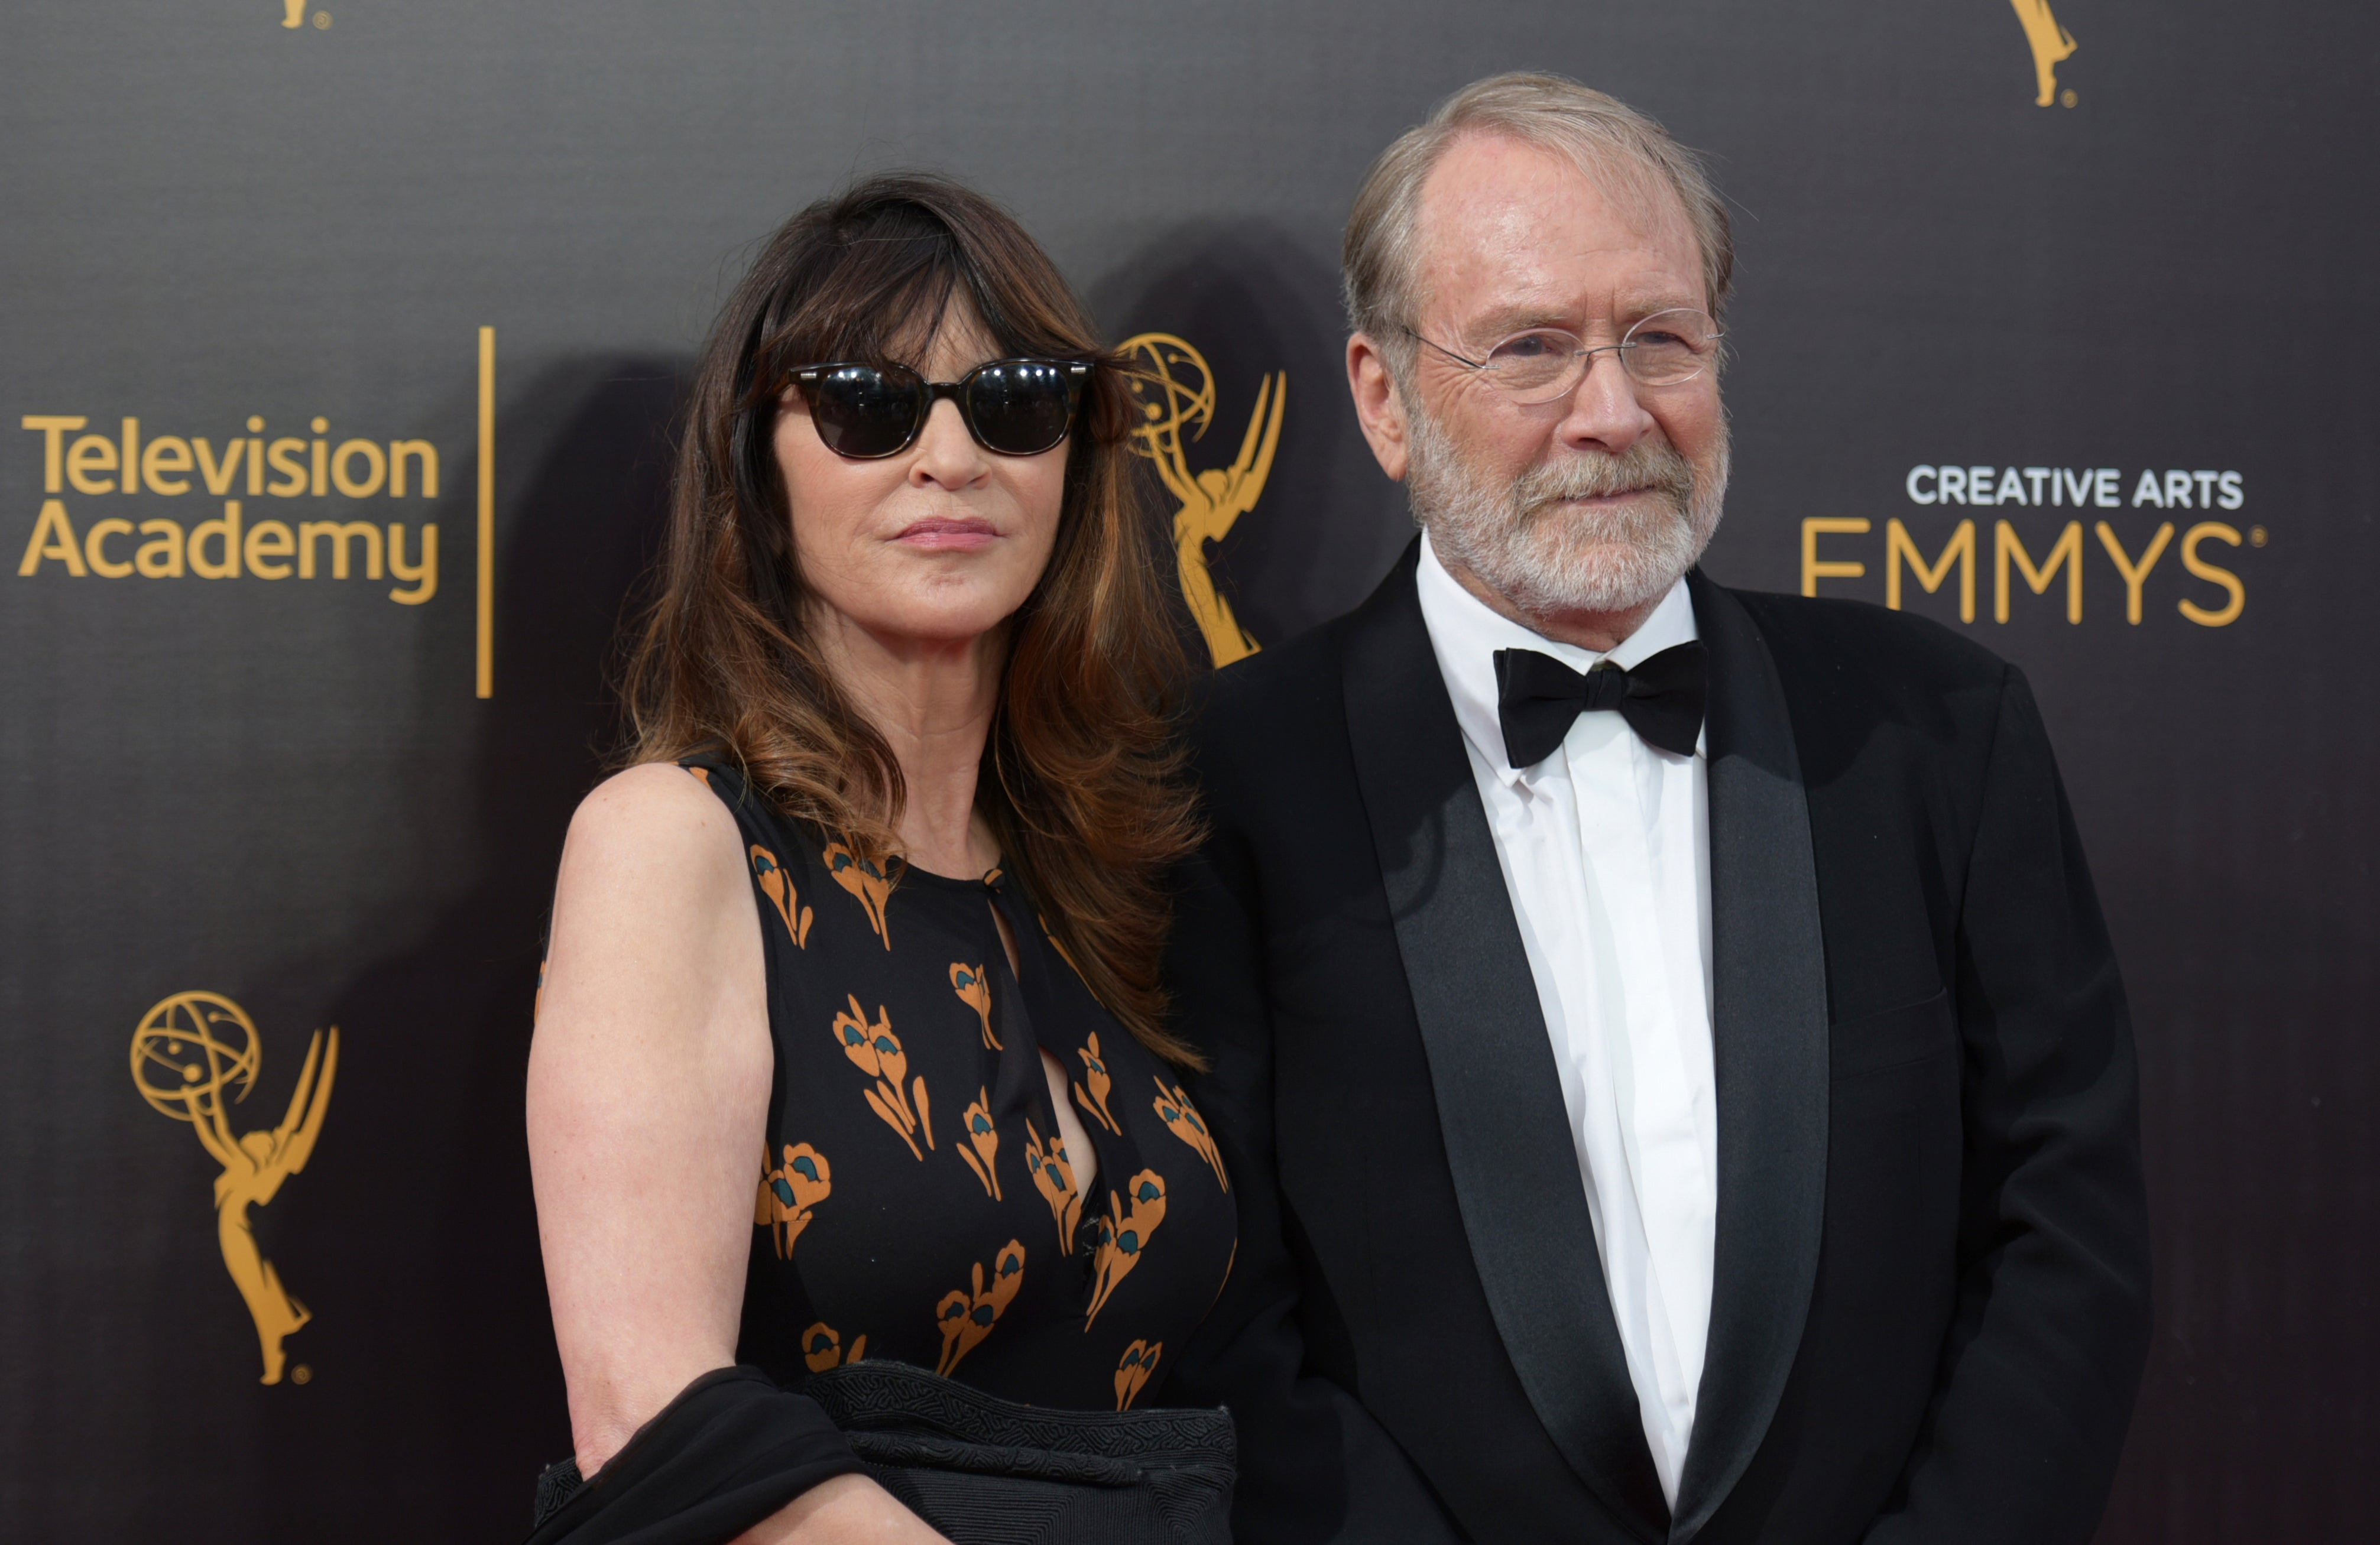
(934,623)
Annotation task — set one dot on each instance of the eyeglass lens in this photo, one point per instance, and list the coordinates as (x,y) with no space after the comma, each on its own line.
(1662,350)
(1019,407)
(863,412)
(1013,407)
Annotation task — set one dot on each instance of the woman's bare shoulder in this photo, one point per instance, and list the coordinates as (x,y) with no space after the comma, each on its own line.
(652,905)
(653,832)
(650,793)
(655,812)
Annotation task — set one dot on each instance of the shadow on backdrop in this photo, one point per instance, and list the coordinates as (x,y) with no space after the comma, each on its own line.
(428,1142)
(1327,525)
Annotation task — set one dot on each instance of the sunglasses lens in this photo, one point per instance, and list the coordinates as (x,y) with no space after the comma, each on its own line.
(864,412)
(1021,407)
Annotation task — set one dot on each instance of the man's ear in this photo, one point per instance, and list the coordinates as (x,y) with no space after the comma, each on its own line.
(1377,407)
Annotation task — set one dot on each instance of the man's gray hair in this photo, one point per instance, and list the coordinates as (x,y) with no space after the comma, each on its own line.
(1626,153)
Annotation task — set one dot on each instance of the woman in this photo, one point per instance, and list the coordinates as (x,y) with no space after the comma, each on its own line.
(850,1047)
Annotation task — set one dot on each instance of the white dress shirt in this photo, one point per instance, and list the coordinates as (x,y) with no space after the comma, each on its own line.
(1604,847)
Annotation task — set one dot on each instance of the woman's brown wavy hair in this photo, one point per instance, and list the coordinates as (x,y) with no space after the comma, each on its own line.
(1081,778)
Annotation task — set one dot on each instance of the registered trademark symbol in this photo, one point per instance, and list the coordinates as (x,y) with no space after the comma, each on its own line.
(301,1374)
(2064,98)
(2256,536)
(322,21)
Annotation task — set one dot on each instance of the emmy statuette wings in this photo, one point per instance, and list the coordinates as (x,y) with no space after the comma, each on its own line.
(1173,389)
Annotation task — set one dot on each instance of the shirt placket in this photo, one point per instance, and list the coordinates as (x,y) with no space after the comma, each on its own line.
(1652,1089)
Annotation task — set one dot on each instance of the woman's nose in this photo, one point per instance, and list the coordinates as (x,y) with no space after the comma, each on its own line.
(947,457)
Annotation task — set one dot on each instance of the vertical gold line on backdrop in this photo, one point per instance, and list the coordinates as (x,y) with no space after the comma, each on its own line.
(487,511)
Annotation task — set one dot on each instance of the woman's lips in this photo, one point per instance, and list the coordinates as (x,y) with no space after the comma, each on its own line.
(949,534)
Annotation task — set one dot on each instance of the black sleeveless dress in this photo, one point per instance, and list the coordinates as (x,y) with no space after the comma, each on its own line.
(914,1199)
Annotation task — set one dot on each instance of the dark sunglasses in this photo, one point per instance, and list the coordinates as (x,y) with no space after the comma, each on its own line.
(1013,407)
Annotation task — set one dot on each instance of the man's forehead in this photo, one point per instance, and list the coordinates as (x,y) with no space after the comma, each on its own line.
(1510,231)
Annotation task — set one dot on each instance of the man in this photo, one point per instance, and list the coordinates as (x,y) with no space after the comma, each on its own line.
(1666,1046)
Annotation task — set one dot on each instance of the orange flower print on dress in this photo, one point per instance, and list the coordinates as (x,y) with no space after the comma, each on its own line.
(968,1317)
(1053,1176)
(788,1192)
(779,887)
(1140,1361)
(702,773)
(822,1348)
(1061,948)
(876,1051)
(1124,1237)
(1095,1074)
(1174,1109)
(865,881)
(984,1139)
(976,992)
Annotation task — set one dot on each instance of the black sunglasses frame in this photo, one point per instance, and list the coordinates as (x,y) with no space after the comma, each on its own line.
(809,380)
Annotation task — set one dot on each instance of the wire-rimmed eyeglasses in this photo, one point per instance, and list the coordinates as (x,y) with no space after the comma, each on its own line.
(1539,364)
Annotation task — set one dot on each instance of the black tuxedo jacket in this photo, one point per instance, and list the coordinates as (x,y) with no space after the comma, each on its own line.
(1930,1300)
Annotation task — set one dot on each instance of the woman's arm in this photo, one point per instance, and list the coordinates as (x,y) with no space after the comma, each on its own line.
(647,1094)
(648,1100)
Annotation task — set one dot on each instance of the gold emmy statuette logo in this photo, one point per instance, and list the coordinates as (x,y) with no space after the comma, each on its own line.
(188,1052)
(1175,389)
(2051,43)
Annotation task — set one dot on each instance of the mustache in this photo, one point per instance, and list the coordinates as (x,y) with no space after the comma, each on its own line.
(1646,466)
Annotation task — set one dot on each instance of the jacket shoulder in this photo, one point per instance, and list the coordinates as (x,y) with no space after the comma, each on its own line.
(1271,691)
(1269,724)
(1851,670)
(1859,643)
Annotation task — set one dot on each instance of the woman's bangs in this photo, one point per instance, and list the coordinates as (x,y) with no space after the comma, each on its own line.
(881,307)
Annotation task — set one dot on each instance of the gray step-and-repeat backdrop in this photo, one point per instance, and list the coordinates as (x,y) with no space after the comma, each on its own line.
(342,341)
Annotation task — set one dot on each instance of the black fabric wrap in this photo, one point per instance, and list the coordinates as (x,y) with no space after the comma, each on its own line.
(734,1448)
(987,1471)
(730,1450)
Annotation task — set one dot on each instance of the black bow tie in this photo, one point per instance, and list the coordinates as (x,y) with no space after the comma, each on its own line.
(1538,698)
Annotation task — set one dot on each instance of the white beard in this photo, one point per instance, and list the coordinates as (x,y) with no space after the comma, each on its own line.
(1549,559)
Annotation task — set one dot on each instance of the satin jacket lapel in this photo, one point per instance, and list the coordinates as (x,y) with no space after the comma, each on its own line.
(1768,1036)
(1499,1104)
